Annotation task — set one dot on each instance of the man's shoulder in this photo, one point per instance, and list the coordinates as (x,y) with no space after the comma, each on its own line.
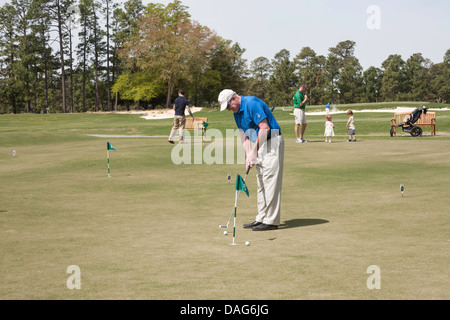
(252,104)
(181,99)
(298,94)
(251,99)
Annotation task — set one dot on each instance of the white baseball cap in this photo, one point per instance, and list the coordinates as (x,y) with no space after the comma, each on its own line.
(224,98)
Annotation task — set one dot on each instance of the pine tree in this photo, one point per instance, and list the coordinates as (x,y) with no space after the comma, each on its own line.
(393,84)
(9,92)
(45,59)
(283,81)
(309,68)
(417,78)
(123,26)
(372,79)
(440,84)
(260,70)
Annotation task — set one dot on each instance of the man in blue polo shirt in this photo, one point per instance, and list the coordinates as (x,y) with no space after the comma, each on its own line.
(257,125)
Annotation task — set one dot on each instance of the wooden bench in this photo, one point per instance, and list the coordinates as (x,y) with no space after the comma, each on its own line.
(425,120)
(196,124)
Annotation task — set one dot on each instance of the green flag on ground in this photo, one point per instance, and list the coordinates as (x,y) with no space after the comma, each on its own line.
(240,184)
(109,146)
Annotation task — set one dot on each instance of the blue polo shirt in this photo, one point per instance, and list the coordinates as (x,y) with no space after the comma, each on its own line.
(251,113)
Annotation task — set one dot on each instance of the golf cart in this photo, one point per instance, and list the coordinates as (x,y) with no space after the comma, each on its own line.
(408,123)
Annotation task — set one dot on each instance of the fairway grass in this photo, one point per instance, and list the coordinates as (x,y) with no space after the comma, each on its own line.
(151,230)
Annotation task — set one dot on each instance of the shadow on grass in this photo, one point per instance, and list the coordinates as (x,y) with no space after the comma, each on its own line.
(296,223)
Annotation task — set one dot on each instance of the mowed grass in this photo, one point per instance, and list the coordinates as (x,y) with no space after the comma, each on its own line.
(151,230)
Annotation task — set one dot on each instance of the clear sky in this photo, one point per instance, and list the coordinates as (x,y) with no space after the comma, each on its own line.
(379,27)
(264,27)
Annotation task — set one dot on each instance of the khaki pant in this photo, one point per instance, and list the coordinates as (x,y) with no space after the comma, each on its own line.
(269,166)
(178,123)
(300,116)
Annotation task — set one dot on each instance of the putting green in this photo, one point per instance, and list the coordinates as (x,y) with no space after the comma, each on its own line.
(151,231)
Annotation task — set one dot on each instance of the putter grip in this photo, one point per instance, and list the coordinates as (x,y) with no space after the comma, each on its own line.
(248,169)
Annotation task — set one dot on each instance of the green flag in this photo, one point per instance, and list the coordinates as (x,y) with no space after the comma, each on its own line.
(240,184)
(109,146)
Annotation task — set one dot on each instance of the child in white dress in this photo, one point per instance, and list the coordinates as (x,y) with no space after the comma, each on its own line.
(329,129)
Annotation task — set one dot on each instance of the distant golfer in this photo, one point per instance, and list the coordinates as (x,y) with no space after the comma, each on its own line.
(300,99)
(257,124)
(179,121)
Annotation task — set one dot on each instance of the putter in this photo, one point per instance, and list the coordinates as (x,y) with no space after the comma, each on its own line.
(229,219)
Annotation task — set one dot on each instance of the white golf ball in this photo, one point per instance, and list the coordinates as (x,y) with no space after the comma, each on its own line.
(225,233)
(247,243)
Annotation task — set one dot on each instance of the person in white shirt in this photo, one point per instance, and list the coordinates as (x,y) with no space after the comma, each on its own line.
(351,126)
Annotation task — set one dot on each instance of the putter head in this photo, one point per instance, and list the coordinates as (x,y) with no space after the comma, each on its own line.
(223,227)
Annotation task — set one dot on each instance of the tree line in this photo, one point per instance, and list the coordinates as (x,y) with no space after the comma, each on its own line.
(102,55)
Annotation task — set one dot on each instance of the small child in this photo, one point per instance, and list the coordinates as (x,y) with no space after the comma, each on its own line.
(351,126)
(329,131)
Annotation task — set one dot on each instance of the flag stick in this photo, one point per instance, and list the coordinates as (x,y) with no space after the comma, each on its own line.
(107,155)
(240,185)
(234,224)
